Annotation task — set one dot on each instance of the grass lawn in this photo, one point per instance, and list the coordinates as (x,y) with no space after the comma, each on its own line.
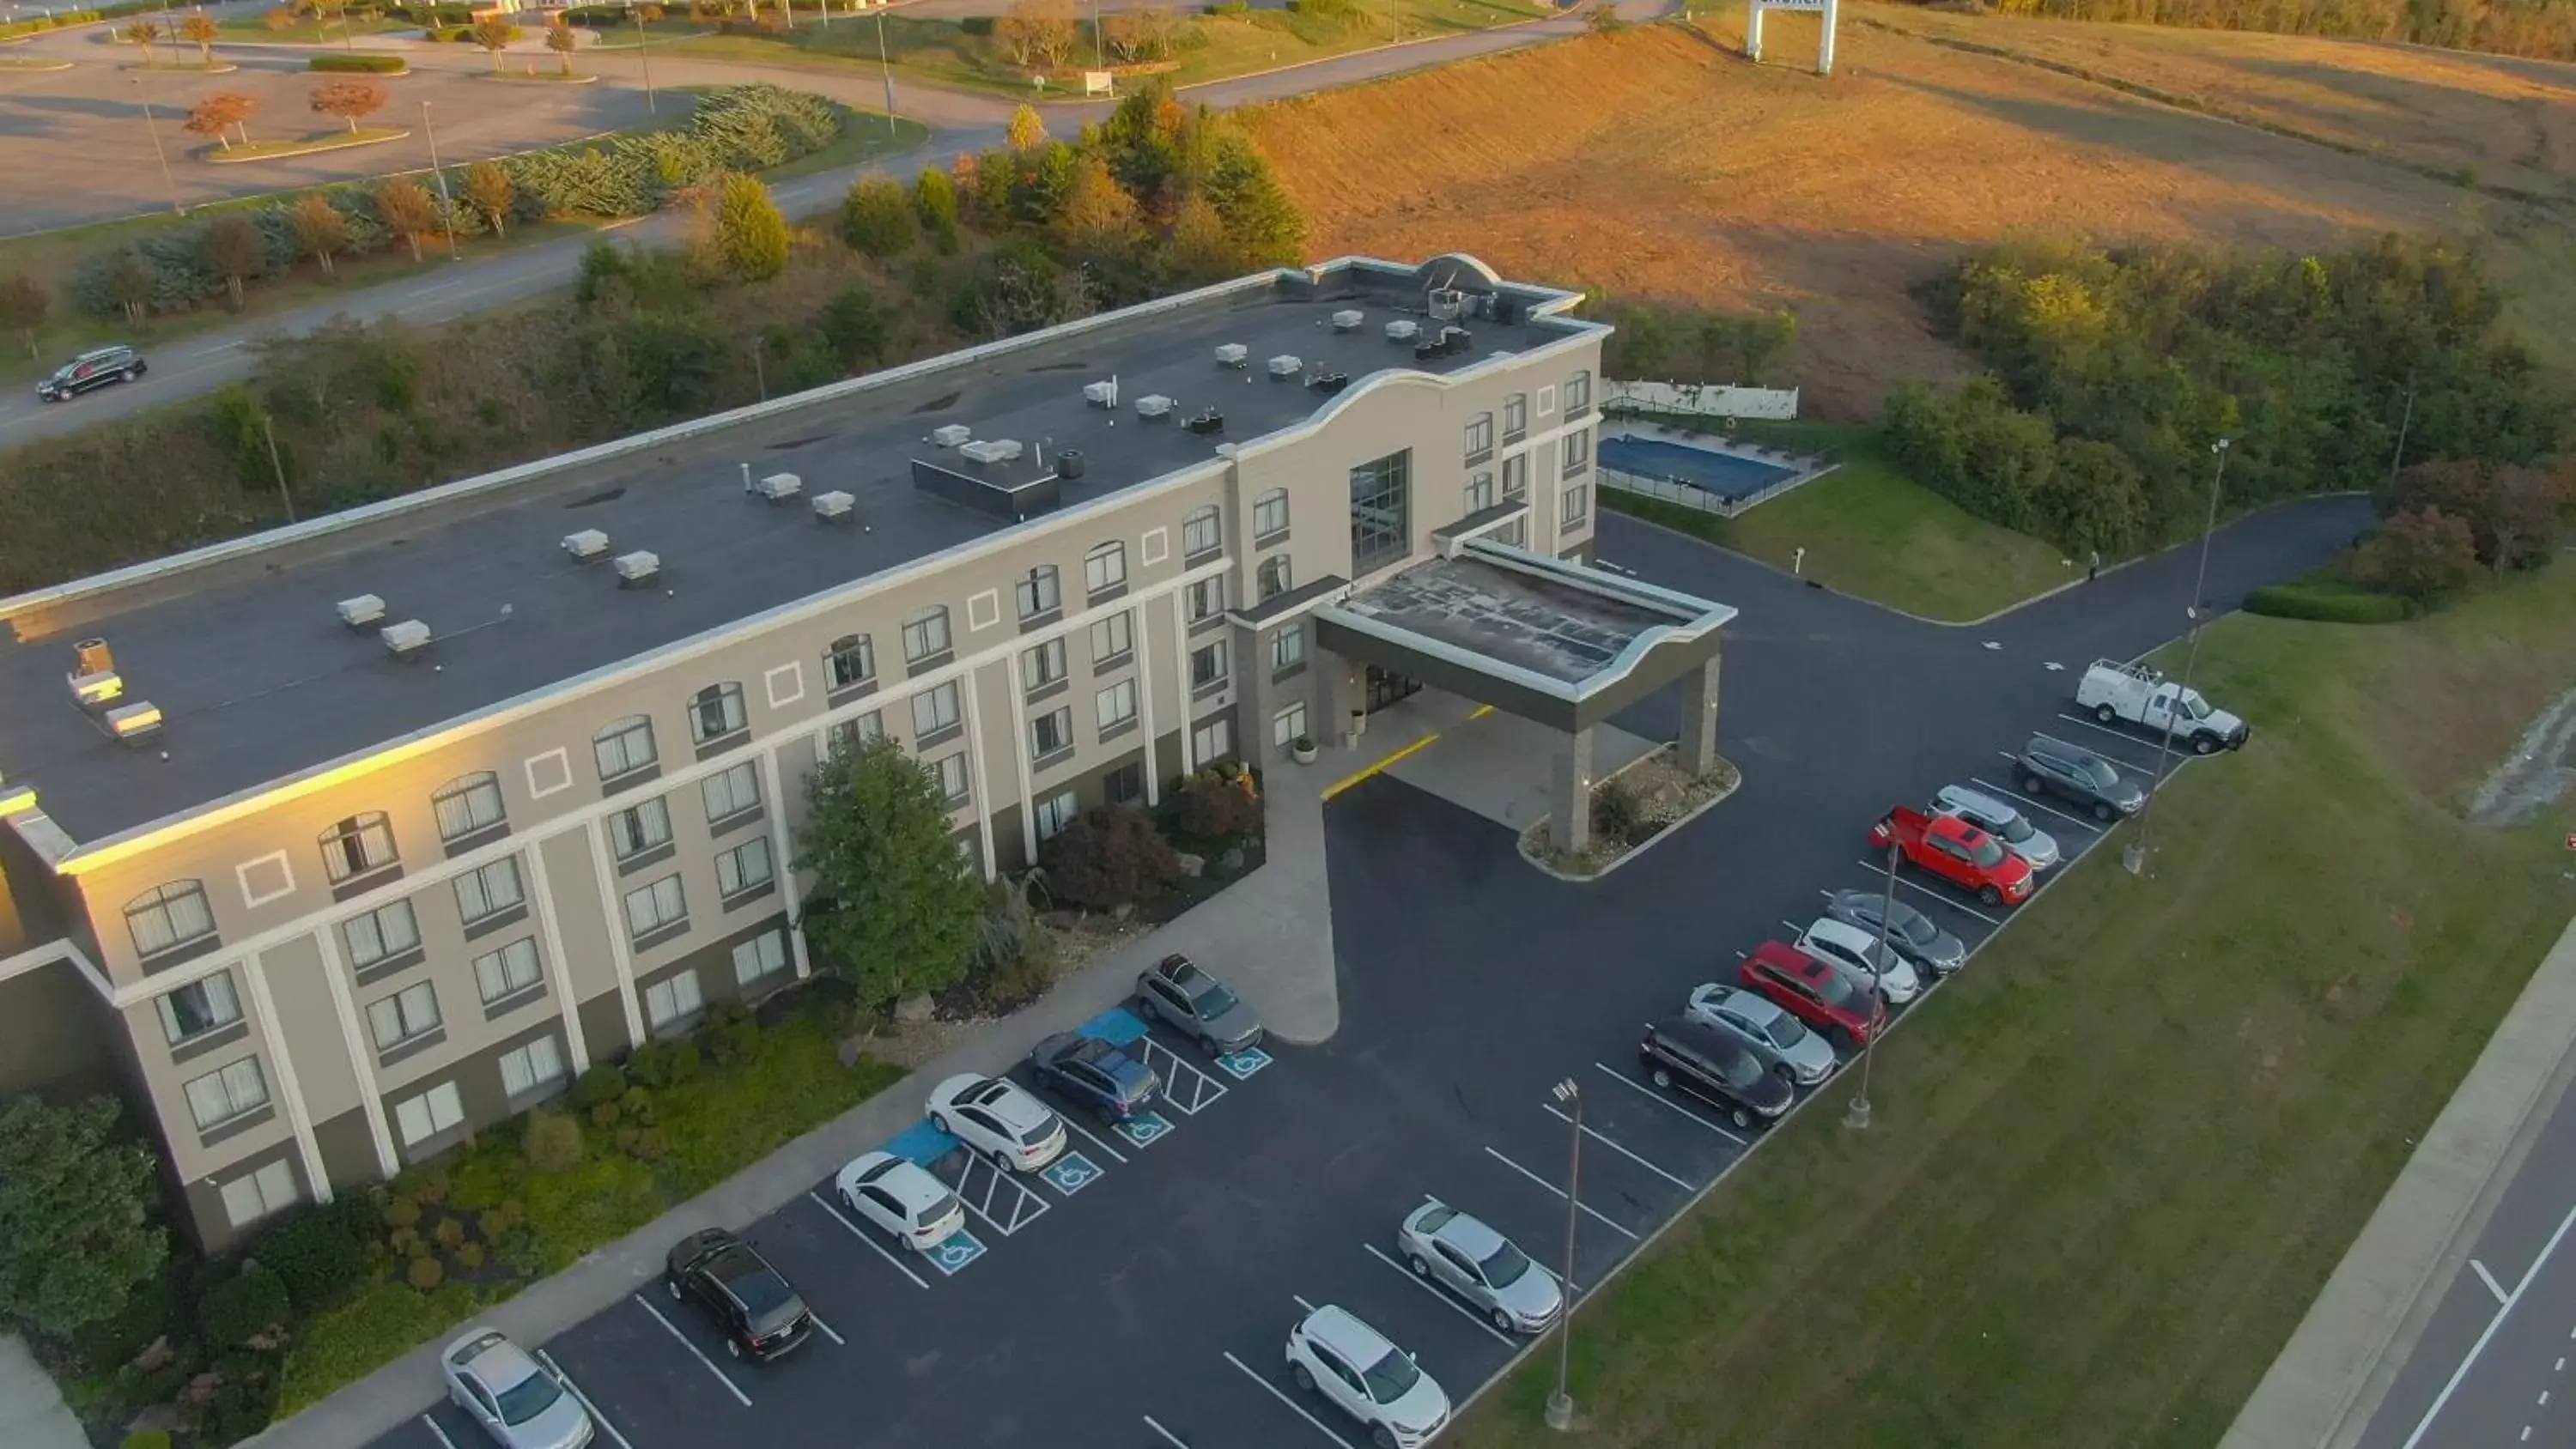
(2115,1161)
(252,28)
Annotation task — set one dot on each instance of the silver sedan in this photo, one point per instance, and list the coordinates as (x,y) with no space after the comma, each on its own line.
(1466,1257)
(1779,1039)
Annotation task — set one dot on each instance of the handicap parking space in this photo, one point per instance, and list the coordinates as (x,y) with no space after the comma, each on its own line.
(1003,1200)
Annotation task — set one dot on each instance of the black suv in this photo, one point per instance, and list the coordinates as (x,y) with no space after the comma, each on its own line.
(751,1305)
(92,369)
(2055,767)
(1715,1067)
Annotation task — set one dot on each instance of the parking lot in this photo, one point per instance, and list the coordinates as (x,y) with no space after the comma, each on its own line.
(1140,1290)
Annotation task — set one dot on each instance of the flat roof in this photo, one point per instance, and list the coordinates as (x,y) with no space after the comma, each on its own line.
(258,680)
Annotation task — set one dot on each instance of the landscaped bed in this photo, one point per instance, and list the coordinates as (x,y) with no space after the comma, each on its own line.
(1632,807)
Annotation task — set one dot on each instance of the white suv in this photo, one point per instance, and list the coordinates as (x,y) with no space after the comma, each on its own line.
(1330,1352)
(994,1116)
(1999,820)
(1855,949)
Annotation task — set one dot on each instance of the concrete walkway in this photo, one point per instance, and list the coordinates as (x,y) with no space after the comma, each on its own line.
(1502,766)
(32,1412)
(2337,1367)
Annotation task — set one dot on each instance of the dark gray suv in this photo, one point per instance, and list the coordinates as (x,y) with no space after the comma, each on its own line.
(2055,767)
(92,369)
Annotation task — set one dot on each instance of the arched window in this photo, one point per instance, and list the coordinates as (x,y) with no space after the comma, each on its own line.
(624,747)
(1104,568)
(1201,532)
(169,916)
(467,804)
(852,660)
(715,712)
(358,845)
(1273,576)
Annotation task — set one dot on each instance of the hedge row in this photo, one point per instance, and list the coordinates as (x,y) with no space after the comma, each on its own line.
(17,28)
(364,64)
(2328,605)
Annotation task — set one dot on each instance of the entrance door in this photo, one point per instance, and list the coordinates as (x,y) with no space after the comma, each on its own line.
(1385,688)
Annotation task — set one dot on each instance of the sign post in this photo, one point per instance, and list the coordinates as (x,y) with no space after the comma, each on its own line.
(1829,10)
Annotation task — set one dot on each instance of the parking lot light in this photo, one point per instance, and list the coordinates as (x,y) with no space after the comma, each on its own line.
(1856,1116)
(2134,855)
(1560,1404)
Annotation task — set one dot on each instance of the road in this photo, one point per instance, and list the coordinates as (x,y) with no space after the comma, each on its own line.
(959,121)
(2492,1366)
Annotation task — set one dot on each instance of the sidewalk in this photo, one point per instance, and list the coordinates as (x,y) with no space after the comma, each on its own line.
(2331,1376)
(32,1413)
(1269,935)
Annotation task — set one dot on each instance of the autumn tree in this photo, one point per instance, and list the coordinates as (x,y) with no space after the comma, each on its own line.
(494,32)
(1037,32)
(876,217)
(129,282)
(2422,553)
(407,210)
(199,30)
(560,38)
(1099,216)
(143,34)
(23,306)
(320,229)
(1200,247)
(750,234)
(349,98)
(233,249)
(488,191)
(1027,130)
(219,114)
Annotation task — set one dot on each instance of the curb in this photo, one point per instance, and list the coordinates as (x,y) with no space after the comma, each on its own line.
(1522,837)
(344,143)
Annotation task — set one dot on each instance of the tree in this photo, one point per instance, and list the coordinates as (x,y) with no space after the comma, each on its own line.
(1126,35)
(561,39)
(142,33)
(130,283)
(1210,806)
(1604,19)
(494,32)
(854,327)
(234,250)
(408,212)
(2514,514)
(750,235)
(199,30)
(23,306)
(1098,217)
(934,200)
(320,229)
(876,219)
(1109,856)
(2422,553)
(349,98)
(488,191)
(74,1206)
(1263,223)
(1027,130)
(1037,32)
(1200,247)
(217,115)
(893,908)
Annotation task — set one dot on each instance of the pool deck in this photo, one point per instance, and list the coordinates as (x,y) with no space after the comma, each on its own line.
(1795,469)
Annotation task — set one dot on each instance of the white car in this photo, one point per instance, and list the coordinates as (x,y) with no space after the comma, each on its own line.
(1332,1353)
(902,1199)
(1850,946)
(513,1397)
(998,1118)
(2034,845)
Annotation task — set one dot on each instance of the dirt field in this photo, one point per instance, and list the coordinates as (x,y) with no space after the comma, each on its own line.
(1661,165)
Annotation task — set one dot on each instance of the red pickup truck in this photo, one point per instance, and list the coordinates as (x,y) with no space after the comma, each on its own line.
(1957,852)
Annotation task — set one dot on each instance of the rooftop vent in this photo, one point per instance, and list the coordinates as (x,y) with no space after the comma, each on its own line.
(1456,340)
(1401,329)
(779,487)
(1287,365)
(135,721)
(16,799)
(96,691)
(1448,304)
(1210,421)
(1101,394)
(1329,382)
(990,450)
(1154,405)
(361,611)
(91,656)
(836,504)
(1232,354)
(1349,319)
(586,545)
(951,435)
(405,639)
(638,567)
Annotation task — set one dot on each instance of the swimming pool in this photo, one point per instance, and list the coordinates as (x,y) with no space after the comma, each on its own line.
(1723,474)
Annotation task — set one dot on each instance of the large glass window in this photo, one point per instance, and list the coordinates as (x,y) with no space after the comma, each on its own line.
(389,930)
(715,712)
(1207,665)
(730,793)
(508,971)
(1205,598)
(437,1110)
(852,659)
(489,891)
(1104,568)
(1480,437)
(357,845)
(167,916)
(1515,417)
(538,1064)
(624,747)
(268,1191)
(1288,646)
(1576,504)
(1042,666)
(640,827)
(1273,577)
(746,867)
(1201,531)
(925,634)
(762,955)
(199,1007)
(1381,518)
(1057,812)
(466,805)
(1051,732)
(673,999)
(408,1013)
(951,773)
(1113,638)
(227,1092)
(1287,725)
(1578,451)
(1270,514)
(1040,591)
(1212,741)
(1578,394)
(1516,476)
(1480,493)
(650,908)
(934,709)
(849,734)
(1116,705)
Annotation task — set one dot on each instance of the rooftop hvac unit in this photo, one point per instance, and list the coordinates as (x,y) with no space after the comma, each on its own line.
(96,691)
(1154,405)
(1448,304)
(404,639)
(91,656)
(836,504)
(1349,319)
(1456,340)
(1232,354)
(638,567)
(586,545)
(779,487)
(990,450)
(134,721)
(1401,330)
(1285,365)
(361,611)
(1101,394)
(951,435)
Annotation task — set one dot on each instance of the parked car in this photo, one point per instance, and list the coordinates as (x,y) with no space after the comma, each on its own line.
(1999,820)
(1196,1005)
(1778,1038)
(1106,1081)
(1717,1067)
(2144,698)
(1848,945)
(1960,853)
(1332,1353)
(749,1302)
(95,368)
(1466,1257)
(516,1399)
(1912,934)
(994,1116)
(2072,772)
(902,1199)
(1822,995)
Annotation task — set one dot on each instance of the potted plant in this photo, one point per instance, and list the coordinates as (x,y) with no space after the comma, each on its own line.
(1302,749)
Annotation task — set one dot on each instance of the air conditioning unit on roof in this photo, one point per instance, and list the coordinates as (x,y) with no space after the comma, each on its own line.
(586,545)
(951,435)
(134,721)
(1286,365)
(778,487)
(637,567)
(361,611)
(832,505)
(1402,329)
(990,450)
(1232,354)
(1101,394)
(1349,319)
(1154,405)
(404,639)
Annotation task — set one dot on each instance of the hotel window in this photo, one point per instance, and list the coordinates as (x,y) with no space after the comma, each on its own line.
(1272,579)
(538,1064)
(1578,394)
(852,659)
(1578,451)
(715,712)
(227,1092)
(1040,592)
(437,1110)
(1113,638)
(925,634)
(386,931)
(1124,785)
(1515,417)
(408,1013)
(934,709)
(489,891)
(1205,598)
(951,773)
(198,1008)
(746,867)
(1116,705)
(1201,531)
(1042,666)
(466,805)
(1480,437)
(1480,493)
(1381,513)
(1051,732)
(508,971)
(1270,514)
(762,955)
(261,1194)
(1207,665)
(1288,647)
(650,908)
(673,999)
(729,794)
(1056,813)
(1516,476)
(1287,725)
(167,916)
(849,734)
(1104,568)
(1212,741)
(1576,505)
(357,845)
(641,827)
(623,748)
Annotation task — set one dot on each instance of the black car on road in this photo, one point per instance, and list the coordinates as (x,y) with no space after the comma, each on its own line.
(93,369)
(748,1301)
(1716,1067)
(2071,772)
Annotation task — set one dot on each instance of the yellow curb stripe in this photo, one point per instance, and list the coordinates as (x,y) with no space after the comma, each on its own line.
(1481,711)
(1355,777)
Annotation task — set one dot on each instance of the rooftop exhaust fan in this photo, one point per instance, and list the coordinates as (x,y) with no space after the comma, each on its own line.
(951,435)
(638,567)
(832,505)
(1349,319)
(361,611)
(405,639)
(1232,354)
(586,545)
(1287,365)
(779,487)
(1154,405)
(1101,394)
(990,450)
(1402,329)
(135,721)
(94,680)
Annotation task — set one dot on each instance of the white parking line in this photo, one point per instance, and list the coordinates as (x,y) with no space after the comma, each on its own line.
(730,1386)
(1795,930)
(441,1433)
(596,1417)
(1302,1303)
(1094,1141)
(1687,1114)
(1293,1406)
(1028,1209)
(1683,1183)
(873,1245)
(2102,729)
(2013,792)
(1942,896)
(1184,1086)
(1613,1224)
(1167,1435)
(1436,1291)
(827,1328)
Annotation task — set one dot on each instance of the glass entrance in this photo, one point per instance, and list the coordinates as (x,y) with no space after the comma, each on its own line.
(1385,688)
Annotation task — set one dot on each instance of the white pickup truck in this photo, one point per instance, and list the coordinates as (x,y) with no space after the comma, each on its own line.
(2147,699)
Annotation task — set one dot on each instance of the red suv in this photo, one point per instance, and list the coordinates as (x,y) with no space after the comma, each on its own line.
(1816,992)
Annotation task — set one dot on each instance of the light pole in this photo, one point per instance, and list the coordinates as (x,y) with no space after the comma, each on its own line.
(158,154)
(2404,421)
(1856,1116)
(2135,856)
(1560,1404)
(885,68)
(644,54)
(446,204)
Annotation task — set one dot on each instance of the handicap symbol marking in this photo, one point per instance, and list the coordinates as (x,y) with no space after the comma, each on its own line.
(1071,1173)
(955,1251)
(1143,1128)
(1244,1063)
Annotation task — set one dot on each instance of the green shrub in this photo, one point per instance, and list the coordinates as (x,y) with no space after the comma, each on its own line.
(424,1274)
(604,1116)
(417,1248)
(319,1251)
(401,1239)
(742,1038)
(1110,855)
(976,25)
(1208,806)
(1616,812)
(363,64)
(638,1104)
(659,1064)
(553,1143)
(432,1189)
(401,1212)
(244,1400)
(650,1145)
(602,1083)
(493,1223)
(242,1307)
(146,1439)
(2328,605)
(469,1256)
(450,1232)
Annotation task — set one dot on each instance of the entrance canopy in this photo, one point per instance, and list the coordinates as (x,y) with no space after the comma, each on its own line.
(1546,639)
